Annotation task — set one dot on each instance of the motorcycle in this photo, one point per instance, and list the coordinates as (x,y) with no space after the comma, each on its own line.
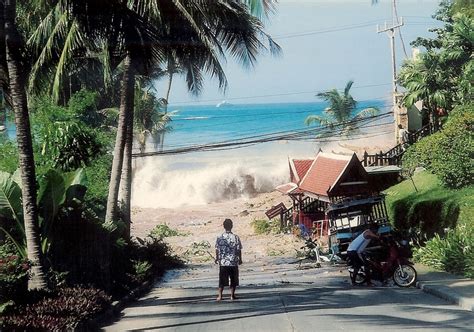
(396,265)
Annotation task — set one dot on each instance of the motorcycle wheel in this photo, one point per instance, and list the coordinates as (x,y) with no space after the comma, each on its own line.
(404,275)
(360,278)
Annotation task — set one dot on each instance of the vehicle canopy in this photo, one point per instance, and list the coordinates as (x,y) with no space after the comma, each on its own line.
(351,216)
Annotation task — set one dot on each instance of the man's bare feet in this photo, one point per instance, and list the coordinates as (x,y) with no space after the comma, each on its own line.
(219,298)
(233,297)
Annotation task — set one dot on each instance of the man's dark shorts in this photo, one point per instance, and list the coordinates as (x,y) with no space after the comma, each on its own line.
(354,259)
(226,273)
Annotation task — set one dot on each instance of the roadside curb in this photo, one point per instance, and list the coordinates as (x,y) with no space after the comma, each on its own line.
(447,294)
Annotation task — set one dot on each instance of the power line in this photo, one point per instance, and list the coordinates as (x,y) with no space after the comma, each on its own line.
(274,95)
(270,137)
(250,130)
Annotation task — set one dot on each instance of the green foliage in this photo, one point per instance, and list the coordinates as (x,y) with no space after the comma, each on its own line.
(142,270)
(69,145)
(13,274)
(341,109)
(9,160)
(199,251)
(98,177)
(155,252)
(452,252)
(163,230)
(449,153)
(262,226)
(425,214)
(57,192)
(58,311)
(84,105)
(442,76)
(431,209)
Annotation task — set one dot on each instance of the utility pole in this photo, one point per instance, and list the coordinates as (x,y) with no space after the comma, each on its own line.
(390,30)
(391,34)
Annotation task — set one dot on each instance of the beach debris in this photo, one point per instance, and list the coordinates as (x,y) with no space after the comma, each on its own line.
(244,213)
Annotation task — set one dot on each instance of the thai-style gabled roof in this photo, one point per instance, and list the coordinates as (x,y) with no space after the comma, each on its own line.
(299,168)
(328,172)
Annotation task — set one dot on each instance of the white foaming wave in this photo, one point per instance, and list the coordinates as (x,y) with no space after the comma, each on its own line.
(156,184)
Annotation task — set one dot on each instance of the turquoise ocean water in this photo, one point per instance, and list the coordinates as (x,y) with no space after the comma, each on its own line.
(198,178)
(205,124)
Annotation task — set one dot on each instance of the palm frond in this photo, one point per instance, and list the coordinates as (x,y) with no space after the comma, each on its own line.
(321,120)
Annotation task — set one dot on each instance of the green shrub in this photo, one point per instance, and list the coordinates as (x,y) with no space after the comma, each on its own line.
(449,153)
(155,252)
(199,251)
(13,274)
(142,270)
(163,230)
(58,311)
(262,226)
(453,252)
(9,159)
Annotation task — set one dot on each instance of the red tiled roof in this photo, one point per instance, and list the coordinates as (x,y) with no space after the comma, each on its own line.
(324,173)
(287,187)
(300,167)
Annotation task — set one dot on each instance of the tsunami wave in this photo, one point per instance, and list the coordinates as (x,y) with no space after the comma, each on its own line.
(167,184)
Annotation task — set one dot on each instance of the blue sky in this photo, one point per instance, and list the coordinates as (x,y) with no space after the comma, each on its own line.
(317,58)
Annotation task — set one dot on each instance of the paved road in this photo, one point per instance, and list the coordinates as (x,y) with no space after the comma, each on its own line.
(278,297)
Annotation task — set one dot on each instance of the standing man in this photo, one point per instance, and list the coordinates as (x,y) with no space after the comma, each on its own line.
(229,257)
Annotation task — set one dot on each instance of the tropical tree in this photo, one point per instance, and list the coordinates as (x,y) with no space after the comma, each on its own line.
(151,117)
(424,81)
(341,110)
(200,33)
(442,76)
(16,64)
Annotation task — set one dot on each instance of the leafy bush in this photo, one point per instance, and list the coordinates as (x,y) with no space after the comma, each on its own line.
(157,253)
(142,271)
(69,145)
(199,251)
(13,274)
(449,153)
(163,230)
(453,252)
(58,311)
(262,226)
(9,160)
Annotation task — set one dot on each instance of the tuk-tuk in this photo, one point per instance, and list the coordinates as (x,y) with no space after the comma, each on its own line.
(351,216)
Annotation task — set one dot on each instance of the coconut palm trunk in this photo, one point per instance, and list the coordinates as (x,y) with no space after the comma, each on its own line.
(167,96)
(126,107)
(14,46)
(126,181)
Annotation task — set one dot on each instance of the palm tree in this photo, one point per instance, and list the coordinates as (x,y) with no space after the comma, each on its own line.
(340,110)
(197,33)
(16,75)
(424,80)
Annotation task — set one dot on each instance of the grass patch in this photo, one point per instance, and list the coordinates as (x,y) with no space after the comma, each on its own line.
(163,230)
(439,220)
(432,208)
(199,251)
(262,226)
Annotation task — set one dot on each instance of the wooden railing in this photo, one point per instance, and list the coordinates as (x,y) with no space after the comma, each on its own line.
(394,155)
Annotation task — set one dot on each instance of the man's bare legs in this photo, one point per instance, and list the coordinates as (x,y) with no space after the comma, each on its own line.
(219,294)
(232,293)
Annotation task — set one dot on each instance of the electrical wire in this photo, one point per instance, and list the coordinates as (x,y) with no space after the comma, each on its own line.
(270,137)
(252,119)
(276,94)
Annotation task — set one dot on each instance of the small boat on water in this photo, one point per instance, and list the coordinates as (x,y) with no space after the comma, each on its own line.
(2,128)
(223,103)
